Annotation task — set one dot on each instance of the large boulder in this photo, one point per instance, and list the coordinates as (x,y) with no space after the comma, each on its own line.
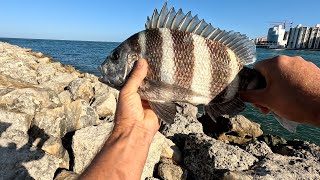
(70,117)
(208,158)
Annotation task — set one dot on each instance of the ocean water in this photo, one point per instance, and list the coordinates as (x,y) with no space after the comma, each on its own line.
(86,56)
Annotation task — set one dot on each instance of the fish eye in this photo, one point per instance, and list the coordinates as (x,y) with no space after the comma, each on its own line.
(115,56)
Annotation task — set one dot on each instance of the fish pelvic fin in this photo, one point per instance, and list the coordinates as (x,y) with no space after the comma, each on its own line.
(231,107)
(165,111)
(242,47)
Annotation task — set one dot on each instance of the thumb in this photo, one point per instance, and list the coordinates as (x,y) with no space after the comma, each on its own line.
(256,96)
(139,72)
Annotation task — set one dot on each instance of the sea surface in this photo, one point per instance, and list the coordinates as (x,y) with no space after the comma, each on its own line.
(86,56)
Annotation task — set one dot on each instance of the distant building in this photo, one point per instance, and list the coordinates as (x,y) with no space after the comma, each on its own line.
(277,36)
(302,37)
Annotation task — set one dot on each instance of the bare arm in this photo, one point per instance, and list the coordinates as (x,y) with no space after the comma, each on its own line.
(124,154)
(293,89)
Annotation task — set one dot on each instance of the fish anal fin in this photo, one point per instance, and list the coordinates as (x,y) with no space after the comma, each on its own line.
(165,111)
(231,107)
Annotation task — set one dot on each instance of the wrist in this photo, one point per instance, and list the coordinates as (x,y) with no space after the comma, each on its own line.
(135,135)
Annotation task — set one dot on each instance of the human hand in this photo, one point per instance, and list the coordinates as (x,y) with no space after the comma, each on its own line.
(131,110)
(292,92)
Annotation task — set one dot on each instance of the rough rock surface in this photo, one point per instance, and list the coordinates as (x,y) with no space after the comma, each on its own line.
(206,157)
(54,119)
(167,170)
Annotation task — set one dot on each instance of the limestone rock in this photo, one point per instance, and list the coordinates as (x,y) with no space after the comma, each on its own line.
(258,148)
(171,151)
(206,157)
(276,166)
(105,100)
(105,105)
(167,170)
(65,97)
(57,122)
(153,155)
(66,175)
(81,89)
(87,142)
(29,100)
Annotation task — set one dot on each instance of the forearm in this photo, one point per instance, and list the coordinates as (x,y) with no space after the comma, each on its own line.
(123,156)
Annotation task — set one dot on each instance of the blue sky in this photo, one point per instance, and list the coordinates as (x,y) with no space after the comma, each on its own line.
(116,20)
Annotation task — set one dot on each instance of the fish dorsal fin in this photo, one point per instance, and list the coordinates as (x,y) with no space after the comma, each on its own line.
(241,45)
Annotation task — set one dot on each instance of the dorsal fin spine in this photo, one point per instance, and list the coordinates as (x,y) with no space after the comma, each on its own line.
(241,45)
(175,18)
(184,20)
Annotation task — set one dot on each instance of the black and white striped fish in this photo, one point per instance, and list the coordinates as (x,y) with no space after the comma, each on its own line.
(189,61)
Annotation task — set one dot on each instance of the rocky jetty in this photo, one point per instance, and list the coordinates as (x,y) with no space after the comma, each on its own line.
(54,119)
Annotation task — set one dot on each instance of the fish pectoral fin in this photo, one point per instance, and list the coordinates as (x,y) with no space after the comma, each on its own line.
(165,111)
(231,107)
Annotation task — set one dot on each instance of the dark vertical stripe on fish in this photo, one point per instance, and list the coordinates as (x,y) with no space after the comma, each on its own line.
(220,67)
(154,53)
(183,58)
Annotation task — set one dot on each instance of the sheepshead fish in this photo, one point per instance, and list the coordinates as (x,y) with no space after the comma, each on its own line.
(189,61)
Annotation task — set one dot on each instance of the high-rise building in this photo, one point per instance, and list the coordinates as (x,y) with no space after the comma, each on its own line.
(302,37)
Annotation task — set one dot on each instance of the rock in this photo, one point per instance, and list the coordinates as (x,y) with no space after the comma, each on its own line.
(237,176)
(105,105)
(18,158)
(67,175)
(298,148)
(28,100)
(153,155)
(151,178)
(180,128)
(81,89)
(257,148)
(105,100)
(171,151)
(70,117)
(207,158)
(65,97)
(87,142)
(242,130)
(272,140)
(276,166)
(169,171)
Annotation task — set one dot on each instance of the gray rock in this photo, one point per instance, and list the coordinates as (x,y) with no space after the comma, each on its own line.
(70,117)
(154,154)
(28,100)
(105,105)
(167,170)
(276,166)
(81,89)
(257,148)
(87,142)
(67,175)
(206,157)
